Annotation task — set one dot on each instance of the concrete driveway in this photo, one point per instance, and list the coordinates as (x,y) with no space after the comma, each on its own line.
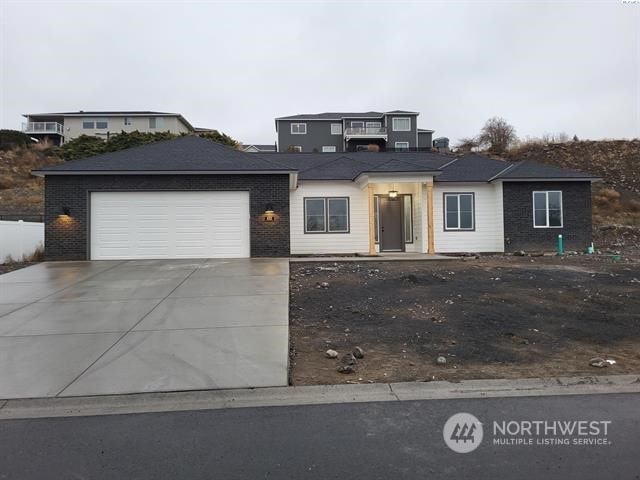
(107,327)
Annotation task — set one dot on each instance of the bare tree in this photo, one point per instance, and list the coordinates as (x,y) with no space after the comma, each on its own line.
(497,135)
(467,144)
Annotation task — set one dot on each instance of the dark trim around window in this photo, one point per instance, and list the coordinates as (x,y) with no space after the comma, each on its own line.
(444,212)
(326,215)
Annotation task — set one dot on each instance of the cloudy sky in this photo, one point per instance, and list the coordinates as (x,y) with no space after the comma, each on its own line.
(545,66)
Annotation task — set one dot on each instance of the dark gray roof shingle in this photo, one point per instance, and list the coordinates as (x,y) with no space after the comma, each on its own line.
(107,113)
(331,116)
(528,169)
(186,153)
(195,154)
(348,165)
(472,168)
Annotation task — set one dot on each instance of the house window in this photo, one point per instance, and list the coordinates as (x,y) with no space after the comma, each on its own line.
(357,124)
(329,149)
(408,218)
(459,211)
(402,146)
(102,124)
(298,128)
(374,125)
(88,125)
(127,121)
(547,209)
(401,124)
(155,122)
(336,129)
(295,148)
(326,215)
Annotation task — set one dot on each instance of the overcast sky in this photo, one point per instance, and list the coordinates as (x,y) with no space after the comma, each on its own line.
(554,66)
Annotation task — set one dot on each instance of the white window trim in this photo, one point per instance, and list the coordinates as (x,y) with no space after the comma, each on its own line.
(398,145)
(546,197)
(373,124)
(298,132)
(357,121)
(393,124)
(93,123)
(329,149)
(473,212)
(336,131)
(101,120)
(326,215)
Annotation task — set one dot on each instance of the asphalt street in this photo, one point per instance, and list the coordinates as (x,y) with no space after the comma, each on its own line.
(377,440)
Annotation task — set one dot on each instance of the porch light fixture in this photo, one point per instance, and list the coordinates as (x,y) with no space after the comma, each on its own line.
(269,214)
(65,211)
(393,194)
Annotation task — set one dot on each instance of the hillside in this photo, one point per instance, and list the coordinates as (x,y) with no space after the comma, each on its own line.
(617,199)
(20,192)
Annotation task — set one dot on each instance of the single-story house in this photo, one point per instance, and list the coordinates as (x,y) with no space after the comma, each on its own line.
(192,198)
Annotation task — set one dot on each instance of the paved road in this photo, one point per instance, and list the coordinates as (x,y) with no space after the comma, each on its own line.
(385,440)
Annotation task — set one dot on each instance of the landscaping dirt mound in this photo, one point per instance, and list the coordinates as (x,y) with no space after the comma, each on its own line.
(496,317)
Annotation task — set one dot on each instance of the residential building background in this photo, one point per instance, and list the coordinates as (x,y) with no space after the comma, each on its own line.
(62,127)
(396,130)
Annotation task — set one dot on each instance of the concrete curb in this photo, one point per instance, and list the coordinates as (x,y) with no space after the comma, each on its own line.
(313,395)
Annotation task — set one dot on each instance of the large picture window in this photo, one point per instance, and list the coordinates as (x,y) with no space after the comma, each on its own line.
(326,215)
(459,211)
(547,209)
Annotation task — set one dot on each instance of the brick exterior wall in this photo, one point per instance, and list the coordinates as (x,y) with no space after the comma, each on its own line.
(519,233)
(68,238)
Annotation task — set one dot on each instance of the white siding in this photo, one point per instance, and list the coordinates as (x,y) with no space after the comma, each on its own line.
(356,241)
(73,126)
(488,235)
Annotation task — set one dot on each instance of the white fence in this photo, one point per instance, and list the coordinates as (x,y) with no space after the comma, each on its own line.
(20,239)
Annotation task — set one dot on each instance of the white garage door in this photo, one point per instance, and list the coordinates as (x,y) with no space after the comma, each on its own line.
(128,225)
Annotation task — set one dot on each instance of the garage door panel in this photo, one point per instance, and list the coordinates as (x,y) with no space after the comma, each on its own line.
(141,225)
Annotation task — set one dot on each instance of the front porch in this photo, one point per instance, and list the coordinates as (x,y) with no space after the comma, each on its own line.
(400,214)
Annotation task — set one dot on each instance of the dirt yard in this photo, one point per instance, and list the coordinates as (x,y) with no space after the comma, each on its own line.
(493,317)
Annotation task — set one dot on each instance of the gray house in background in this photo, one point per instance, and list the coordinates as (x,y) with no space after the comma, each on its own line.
(396,130)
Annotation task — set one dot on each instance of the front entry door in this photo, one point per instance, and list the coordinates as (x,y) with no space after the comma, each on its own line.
(391,224)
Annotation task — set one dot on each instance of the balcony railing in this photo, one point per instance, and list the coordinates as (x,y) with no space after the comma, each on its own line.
(366,132)
(43,127)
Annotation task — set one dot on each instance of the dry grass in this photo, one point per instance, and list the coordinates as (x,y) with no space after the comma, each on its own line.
(21,192)
(611,206)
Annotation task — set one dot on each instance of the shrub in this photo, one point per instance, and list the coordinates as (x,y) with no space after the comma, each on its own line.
(219,137)
(13,138)
(82,147)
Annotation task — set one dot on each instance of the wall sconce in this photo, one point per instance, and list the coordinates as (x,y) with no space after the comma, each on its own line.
(393,194)
(269,214)
(65,211)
